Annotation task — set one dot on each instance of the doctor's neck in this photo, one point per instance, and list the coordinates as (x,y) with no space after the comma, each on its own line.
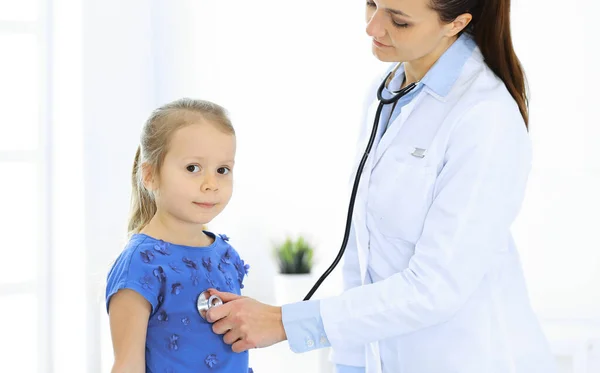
(415,70)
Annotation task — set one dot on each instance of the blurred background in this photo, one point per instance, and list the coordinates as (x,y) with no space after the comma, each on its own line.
(79,77)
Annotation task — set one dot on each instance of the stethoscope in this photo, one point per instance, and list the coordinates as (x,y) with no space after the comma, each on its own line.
(206,301)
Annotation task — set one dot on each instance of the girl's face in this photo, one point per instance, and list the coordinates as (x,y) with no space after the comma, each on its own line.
(195,182)
(406,30)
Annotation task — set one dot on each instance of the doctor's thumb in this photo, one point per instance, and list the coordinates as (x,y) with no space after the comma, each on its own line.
(225,297)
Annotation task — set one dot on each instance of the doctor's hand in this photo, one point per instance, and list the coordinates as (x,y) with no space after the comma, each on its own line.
(246,323)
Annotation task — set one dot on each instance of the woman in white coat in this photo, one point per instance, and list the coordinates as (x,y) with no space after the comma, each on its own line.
(433,281)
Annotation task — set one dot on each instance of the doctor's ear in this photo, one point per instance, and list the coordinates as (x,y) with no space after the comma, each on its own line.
(149,179)
(458,25)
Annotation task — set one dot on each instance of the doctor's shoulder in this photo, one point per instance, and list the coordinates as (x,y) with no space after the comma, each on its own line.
(485,104)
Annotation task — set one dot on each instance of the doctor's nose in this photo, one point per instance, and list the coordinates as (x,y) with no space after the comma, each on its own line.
(375,27)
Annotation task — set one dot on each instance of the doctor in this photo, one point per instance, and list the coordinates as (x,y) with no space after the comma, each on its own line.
(433,281)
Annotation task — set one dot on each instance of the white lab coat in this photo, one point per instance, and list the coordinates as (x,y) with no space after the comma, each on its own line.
(451,297)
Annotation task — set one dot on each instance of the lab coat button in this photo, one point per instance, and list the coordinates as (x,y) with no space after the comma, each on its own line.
(310,343)
(323,340)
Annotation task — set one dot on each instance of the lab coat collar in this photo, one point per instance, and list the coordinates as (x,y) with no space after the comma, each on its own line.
(443,74)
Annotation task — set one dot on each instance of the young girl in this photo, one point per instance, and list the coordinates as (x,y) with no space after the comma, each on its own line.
(182,179)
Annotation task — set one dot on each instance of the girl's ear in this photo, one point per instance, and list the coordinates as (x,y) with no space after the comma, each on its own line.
(149,179)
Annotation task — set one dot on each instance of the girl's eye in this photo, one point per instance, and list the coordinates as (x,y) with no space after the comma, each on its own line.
(193,168)
(370,3)
(223,170)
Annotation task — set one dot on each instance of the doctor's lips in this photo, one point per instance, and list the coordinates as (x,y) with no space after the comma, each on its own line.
(378,44)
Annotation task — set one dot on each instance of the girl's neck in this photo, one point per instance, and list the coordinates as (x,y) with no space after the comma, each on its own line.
(167,228)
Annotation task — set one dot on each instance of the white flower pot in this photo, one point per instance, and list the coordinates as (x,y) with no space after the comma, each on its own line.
(291,288)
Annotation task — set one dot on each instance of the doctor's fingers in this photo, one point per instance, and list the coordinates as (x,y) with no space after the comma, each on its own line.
(224,325)
(233,336)
(215,314)
(242,345)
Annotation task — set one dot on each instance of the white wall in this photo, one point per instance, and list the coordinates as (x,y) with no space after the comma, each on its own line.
(556,230)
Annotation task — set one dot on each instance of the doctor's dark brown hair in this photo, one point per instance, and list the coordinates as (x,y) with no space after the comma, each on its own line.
(154,144)
(490,28)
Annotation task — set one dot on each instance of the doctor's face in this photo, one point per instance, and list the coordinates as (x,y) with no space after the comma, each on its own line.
(404,30)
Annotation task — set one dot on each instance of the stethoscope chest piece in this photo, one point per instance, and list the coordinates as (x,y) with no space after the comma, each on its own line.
(206,301)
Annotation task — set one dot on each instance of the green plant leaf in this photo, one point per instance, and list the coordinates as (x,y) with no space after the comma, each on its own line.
(294,256)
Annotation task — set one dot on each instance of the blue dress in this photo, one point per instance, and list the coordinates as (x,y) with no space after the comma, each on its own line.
(171,277)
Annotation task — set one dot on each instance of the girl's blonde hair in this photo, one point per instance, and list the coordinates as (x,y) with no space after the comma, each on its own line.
(154,144)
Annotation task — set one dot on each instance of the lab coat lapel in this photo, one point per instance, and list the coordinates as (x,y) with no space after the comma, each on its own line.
(394,128)
(360,206)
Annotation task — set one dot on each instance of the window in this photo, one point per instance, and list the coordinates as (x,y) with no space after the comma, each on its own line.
(23,195)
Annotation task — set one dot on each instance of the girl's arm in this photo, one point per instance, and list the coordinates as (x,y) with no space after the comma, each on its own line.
(128,314)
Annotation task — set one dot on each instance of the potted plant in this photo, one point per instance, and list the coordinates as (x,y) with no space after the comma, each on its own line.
(294,259)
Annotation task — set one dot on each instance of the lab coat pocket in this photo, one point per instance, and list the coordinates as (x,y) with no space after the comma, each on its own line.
(400,194)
